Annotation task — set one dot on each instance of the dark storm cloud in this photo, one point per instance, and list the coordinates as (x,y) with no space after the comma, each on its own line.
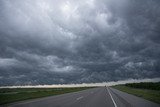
(57,41)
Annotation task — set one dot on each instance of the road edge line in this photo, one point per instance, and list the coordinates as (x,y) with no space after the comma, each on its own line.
(115,105)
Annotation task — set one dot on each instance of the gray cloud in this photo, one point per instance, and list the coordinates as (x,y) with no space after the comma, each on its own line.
(57,41)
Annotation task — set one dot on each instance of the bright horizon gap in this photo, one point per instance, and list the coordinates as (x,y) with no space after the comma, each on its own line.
(87,84)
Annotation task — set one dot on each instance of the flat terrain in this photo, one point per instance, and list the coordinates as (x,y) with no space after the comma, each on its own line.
(8,95)
(94,97)
(149,91)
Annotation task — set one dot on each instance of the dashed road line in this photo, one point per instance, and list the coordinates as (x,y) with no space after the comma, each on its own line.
(79,98)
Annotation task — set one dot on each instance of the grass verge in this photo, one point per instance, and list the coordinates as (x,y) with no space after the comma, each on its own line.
(9,95)
(152,95)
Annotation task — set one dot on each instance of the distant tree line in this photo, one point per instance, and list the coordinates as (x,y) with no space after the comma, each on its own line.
(145,85)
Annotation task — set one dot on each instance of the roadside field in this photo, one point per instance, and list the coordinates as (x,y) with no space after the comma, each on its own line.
(9,95)
(149,92)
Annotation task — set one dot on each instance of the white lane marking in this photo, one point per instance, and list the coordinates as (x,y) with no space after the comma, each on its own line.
(79,98)
(115,105)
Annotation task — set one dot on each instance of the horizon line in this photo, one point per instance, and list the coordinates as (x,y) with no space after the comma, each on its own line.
(111,83)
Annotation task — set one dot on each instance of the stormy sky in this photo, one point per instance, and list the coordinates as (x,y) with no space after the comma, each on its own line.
(78,41)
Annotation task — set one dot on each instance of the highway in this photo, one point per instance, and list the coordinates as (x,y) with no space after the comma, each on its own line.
(95,97)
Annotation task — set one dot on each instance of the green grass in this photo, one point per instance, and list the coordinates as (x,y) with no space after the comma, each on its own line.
(9,95)
(145,85)
(152,95)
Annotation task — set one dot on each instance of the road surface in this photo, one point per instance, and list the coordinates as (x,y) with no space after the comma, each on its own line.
(95,97)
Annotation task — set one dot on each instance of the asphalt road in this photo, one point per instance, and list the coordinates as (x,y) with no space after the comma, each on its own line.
(95,97)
